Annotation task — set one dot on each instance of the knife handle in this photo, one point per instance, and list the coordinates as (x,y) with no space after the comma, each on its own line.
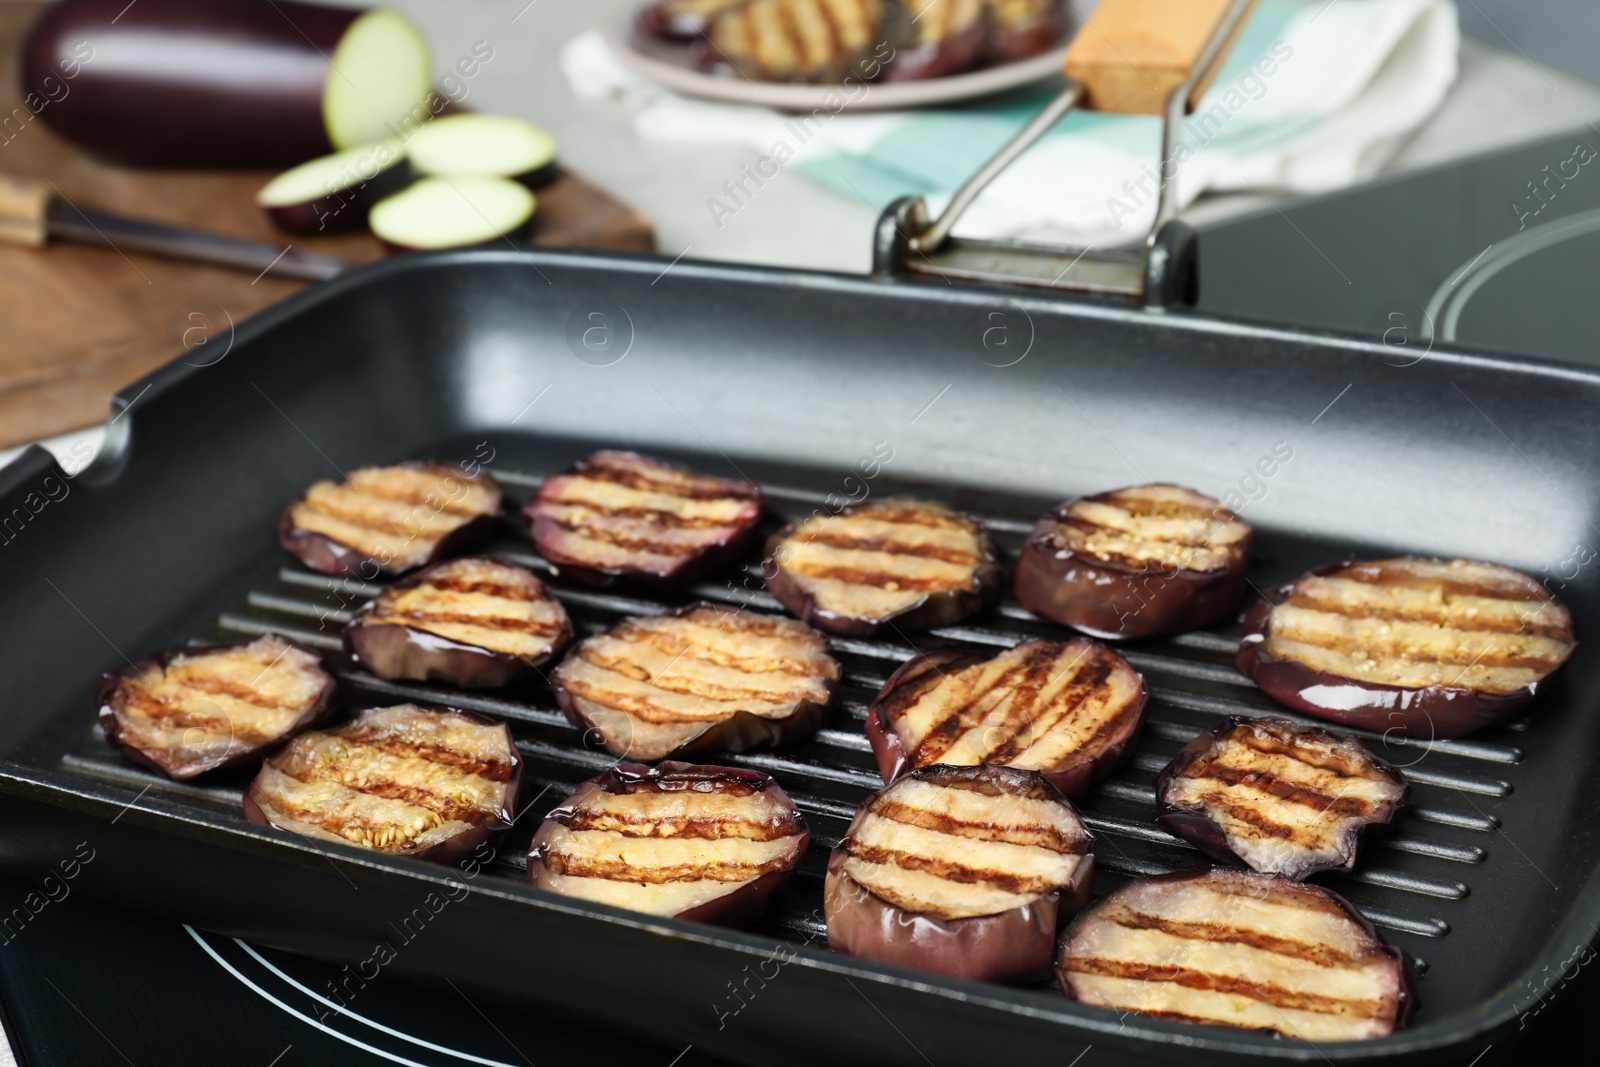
(1131,54)
(23,202)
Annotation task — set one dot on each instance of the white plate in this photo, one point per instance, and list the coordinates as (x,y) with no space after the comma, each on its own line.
(617,28)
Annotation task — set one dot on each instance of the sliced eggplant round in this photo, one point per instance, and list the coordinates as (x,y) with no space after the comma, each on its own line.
(702,679)
(681,20)
(494,146)
(1070,711)
(623,515)
(461,212)
(335,192)
(225,83)
(709,844)
(1138,562)
(1278,797)
(948,38)
(899,564)
(389,520)
(1022,28)
(1418,647)
(430,783)
(795,40)
(965,871)
(1233,948)
(477,623)
(191,710)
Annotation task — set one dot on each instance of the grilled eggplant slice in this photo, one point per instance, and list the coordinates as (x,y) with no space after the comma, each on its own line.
(623,515)
(389,520)
(965,871)
(701,679)
(711,844)
(477,623)
(1239,949)
(795,40)
(191,710)
(1418,647)
(899,563)
(1070,711)
(1022,28)
(430,783)
(949,37)
(682,20)
(1153,559)
(1278,797)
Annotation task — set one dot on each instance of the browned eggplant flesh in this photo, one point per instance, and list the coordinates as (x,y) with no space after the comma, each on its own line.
(1238,949)
(947,37)
(1022,28)
(701,679)
(797,40)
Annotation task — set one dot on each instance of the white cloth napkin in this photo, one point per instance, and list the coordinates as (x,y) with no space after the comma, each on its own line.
(1316,95)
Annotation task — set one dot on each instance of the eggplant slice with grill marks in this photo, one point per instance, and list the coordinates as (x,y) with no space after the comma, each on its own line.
(701,679)
(797,40)
(900,564)
(1239,949)
(1420,647)
(1070,711)
(1022,28)
(430,783)
(965,871)
(477,623)
(711,844)
(623,515)
(389,520)
(1137,562)
(191,710)
(948,38)
(1278,797)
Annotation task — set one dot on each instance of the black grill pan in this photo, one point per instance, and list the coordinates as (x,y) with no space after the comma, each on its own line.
(1000,403)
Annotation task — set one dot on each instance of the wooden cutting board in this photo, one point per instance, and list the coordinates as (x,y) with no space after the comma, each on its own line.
(78,323)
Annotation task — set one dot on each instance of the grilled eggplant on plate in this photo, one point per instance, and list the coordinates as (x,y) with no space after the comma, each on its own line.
(948,38)
(1238,949)
(798,40)
(1153,559)
(682,19)
(1420,647)
(1022,28)
(477,623)
(710,844)
(965,871)
(389,520)
(1278,797)
(1070,711)
(427,783)
(191,710)
(899,564)
(623,515)
(701,679)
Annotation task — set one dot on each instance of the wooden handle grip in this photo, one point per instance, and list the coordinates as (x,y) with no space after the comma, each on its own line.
(1131,54)
(23,202)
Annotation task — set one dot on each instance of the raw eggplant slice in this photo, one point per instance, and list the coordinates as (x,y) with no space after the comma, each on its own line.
(795,40)
(898,563)
(1022,28)
(389,520)
(1278,797)
(949,36)
(701,679)
(191,710)
(1235,948)
(1070,711)
(966,871)
(623,515)
(711,844)
(497,146)
(456,212)
(682,19)
(335,192)
(430,783)
(1137,562)
(477,623)
(1420,647)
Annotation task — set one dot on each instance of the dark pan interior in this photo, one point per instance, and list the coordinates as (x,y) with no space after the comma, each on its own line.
(999,404)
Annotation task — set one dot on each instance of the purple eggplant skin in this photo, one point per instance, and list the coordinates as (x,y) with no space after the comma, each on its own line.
(106,689)
(192,83)
(1433,713)
(957,55)
(1114,604)
(1031,38)
(894,761)
(1208,837)
(343,210)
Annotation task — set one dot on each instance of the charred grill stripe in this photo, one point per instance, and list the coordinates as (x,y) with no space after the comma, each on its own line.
(1329,761)
(1267,782)
(1035,724)
(965,709)
(446,807)
(687,487)
(1265,992)
(531,627)
(1240,812)
(173,716)
(466,762)
(212,685)
(482,587)
(1036,834)
(880,579)
(1089,528)
(1106,733)
(649,516)
(1443,620)
(1460,653)
(838,50)
(951,871)
(702,827)
(701,688)
(674,644)
(835,538)
(619,871)
(786,27)
(1322,955)
(432,497)
(638,543)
